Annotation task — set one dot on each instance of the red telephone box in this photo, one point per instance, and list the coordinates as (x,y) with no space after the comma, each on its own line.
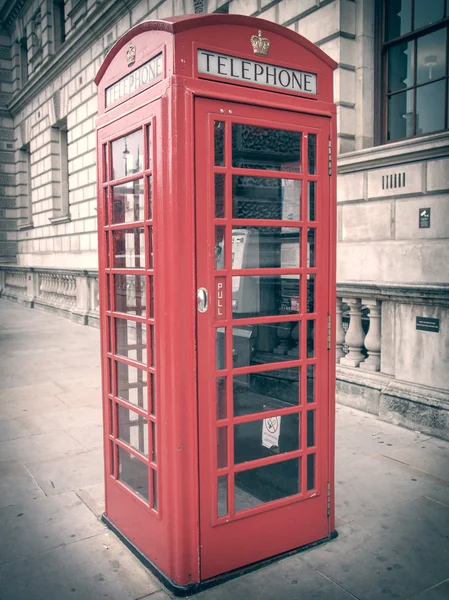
(217,275)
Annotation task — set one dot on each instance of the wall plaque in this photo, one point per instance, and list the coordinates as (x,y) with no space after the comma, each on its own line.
(424,218)
(427,324)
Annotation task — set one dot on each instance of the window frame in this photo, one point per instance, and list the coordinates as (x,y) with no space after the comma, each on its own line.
(381,71)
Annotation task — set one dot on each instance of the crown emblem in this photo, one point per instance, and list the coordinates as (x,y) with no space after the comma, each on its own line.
(131,55)
(260,44)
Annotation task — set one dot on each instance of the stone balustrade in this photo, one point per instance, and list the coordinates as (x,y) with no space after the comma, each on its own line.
(70,293)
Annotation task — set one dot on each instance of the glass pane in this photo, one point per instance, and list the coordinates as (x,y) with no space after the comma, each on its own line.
(131,340)
(219,128)
(153,394)
(431,61)
(105,206)
(105,163)
(310,339)
(430,107)
(132,385)
(310,293)
(310,383)
(222,496)
(400,66)
(220,348)
(220,247)
(151,295)
(129,248)
(151,248)
(153,442)
(264,296)
(127,155)
(310,472)
(310,428)
(311,146)
(221,397)
(150,198)
(400,115)
(267,390)
(133,429)
(398,18)
(266,198)
(152,347)
(268,343)
(129,294)
(428,12)
(266,437)
(311,214)
(219,196)
(155,489)
(265,484)
(265,247)
(133,473)
(265,148)
(311,248)
(127,202)
(222,447)
(149,145)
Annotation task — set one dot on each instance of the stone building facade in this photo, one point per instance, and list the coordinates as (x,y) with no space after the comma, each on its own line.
(391,90)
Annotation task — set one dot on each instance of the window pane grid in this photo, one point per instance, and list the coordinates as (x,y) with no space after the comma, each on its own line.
(416,68)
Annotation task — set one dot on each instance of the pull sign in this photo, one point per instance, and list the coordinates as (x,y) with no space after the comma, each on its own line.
(220,295)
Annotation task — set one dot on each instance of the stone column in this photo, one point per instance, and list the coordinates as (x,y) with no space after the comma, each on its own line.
(355,334)
(340,332)
(372,340)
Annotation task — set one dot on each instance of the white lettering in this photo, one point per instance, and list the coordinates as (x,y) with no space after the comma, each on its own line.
(132,82)
(232,67)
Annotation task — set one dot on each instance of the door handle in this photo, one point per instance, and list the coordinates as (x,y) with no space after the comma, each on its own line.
(202,299)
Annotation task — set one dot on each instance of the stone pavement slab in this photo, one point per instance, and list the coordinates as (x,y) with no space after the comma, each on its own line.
(392,492)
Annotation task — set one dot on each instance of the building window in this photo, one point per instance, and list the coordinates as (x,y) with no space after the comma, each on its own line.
(24,187)
(23,58)
(60,173)
(58,23)
(415,67)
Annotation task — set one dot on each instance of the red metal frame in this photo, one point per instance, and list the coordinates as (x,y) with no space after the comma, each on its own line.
(171,536)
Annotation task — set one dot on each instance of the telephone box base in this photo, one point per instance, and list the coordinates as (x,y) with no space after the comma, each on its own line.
(194,588)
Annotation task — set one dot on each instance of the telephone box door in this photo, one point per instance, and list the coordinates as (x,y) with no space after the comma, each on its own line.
(263,273)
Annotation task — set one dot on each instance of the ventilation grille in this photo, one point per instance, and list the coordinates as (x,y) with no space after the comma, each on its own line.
(395,180)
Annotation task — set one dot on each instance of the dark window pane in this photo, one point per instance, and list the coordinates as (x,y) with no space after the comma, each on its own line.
(311,475)
(133,429)
(268,390)
(221,397)
(132,385)
(312,153)
(133,473)
(265,247)
(265,296)
(431,60)
(220,247)
(310,383)
(127,155)
(310,339)
(430,107)
(311,215)
(398,18)
(265,484)
(427,12)
(311,248)
(222,447)
(272,342)
(310,293)
(219,196)
(222,496)
(400,116)
(155,489)
(219,128)
(265,148)
(129,294)
(220,348)
(310,428)
(266,437)
(400,66)
(266,198)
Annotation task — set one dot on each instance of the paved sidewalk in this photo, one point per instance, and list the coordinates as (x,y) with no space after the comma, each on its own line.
(392,499)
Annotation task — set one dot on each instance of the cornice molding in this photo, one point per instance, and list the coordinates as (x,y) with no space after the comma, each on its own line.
(96,25)
(11,11)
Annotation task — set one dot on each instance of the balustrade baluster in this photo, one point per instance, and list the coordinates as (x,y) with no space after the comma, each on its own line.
(340,332)
(372,339)
(355,334)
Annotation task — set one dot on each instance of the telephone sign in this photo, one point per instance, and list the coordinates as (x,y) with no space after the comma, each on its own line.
(216,224)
